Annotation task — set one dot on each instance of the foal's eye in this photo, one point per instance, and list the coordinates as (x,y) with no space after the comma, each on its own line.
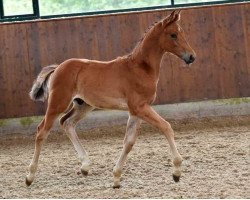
(174,36)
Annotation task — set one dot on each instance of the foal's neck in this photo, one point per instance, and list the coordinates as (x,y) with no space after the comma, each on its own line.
(149,53)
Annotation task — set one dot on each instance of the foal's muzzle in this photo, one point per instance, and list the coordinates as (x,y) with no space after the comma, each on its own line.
(188,58)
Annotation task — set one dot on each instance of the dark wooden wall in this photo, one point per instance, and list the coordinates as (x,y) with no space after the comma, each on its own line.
(220,35)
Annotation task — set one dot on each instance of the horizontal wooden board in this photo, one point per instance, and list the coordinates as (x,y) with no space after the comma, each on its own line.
(220,36)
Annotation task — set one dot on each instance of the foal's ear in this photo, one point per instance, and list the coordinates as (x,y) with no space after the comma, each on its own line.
(173,17)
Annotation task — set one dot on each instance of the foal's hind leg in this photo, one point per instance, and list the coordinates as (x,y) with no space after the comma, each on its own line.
(69,121)
(56,105)
(133,126)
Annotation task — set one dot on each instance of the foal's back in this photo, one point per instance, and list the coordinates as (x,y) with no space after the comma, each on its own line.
(100,84)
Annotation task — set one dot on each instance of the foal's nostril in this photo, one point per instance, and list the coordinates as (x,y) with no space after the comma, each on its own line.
(188,58)
(191,58)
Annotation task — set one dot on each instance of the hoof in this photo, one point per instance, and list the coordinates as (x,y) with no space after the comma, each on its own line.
(85,173)
(116,186)
(176,178)
(27,182)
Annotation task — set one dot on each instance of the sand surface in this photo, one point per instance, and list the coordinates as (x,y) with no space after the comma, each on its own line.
(215,151)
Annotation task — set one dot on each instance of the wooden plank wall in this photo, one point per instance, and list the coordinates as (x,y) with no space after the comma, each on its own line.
(220,35)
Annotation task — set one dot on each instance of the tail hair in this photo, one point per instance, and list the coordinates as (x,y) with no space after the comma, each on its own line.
(39,90)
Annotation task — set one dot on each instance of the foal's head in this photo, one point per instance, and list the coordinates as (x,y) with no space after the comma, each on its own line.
(172,38)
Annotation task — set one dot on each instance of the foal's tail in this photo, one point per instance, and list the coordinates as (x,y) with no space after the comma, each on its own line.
(39,91)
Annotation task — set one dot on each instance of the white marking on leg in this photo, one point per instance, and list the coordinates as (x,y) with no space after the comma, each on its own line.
(83,156)
(131,134)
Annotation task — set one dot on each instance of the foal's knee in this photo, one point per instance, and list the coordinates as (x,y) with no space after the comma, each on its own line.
(167,129)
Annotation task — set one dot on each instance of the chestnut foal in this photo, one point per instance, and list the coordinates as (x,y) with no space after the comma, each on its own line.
(77,86)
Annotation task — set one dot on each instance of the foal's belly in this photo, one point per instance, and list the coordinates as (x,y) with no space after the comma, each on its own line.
(105,102)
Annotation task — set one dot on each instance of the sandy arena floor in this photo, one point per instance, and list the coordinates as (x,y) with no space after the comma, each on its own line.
(216,163)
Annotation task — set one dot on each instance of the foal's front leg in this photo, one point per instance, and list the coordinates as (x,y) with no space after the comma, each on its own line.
(133,126)
(146,113)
